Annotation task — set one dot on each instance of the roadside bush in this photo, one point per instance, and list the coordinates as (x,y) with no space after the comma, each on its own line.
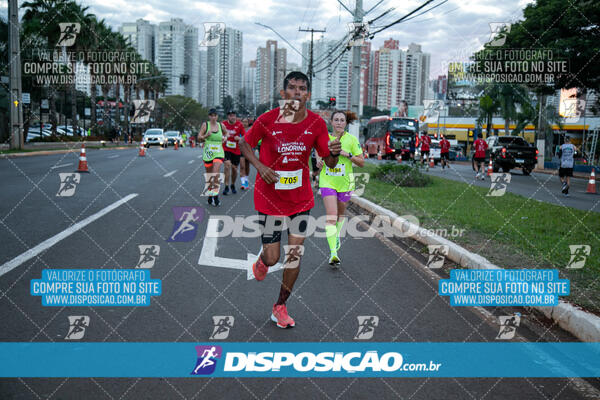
(401,175)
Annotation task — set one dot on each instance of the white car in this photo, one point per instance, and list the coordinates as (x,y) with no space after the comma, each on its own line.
(435,151)
(173,136)
(154,136)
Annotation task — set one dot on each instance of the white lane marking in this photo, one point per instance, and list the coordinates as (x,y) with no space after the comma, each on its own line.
(200,156)
(191,161)
(61,165)
(29,254)
(115,156)
(169,174)
(208,254)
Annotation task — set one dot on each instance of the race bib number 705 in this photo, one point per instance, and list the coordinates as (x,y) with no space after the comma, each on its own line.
(289,180)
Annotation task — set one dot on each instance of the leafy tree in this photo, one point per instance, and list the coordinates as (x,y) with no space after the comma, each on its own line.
(262,108)
(182,113)
(228,103)
(571,31)
(487,107)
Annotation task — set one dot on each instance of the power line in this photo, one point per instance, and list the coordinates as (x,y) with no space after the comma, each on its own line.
(402,18)
(310,62)
(282,38)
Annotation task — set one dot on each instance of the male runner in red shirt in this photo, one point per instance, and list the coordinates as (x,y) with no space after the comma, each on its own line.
(480,147)
(234,130)
(445,152)
(425,142)
(283,186)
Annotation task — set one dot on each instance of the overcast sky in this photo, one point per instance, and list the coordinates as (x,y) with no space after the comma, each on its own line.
(450,32)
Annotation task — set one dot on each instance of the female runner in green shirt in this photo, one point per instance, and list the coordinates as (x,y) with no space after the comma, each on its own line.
(336,184)
(211,133)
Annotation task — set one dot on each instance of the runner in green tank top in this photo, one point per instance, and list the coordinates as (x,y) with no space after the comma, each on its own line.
(211,134)
(336,184)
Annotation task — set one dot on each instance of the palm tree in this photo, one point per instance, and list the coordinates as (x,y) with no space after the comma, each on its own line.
(508,97)
(40,18)
(81,44)
(549,116)
(487,108)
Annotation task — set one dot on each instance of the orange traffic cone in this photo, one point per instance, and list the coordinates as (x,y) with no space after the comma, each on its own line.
(399,158)
(142,152)
(379,153)
(192,143)
(83,167)
(591,187)
(176,145)
(490,168)
(431,163)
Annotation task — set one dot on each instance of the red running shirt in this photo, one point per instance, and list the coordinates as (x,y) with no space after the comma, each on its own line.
(425,142)
(231,131)
(445,146)
(480,146)
(286,148)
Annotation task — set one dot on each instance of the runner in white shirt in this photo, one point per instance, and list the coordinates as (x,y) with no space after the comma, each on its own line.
(566,153)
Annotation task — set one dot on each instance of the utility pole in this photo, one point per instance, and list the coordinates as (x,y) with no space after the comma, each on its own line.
(356,62)
(310,72)
(16,107)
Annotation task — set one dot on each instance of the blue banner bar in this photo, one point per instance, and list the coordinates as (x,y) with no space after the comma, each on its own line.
(223,359)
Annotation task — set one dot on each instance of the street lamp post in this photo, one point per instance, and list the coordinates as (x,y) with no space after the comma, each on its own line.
(16,107)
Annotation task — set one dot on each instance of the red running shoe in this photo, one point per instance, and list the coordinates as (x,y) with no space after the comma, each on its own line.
(259,269)
(281,317)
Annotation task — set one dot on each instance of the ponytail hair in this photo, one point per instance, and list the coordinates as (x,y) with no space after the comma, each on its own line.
(350,116)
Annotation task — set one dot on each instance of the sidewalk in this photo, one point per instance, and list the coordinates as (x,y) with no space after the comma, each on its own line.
(48,148)
(578,175)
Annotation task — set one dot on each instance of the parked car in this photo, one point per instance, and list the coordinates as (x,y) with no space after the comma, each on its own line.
(154,136)
(509,152)
(173,136)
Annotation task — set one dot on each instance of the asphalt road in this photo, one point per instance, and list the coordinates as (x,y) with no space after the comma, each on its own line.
(377,277)
(537,186)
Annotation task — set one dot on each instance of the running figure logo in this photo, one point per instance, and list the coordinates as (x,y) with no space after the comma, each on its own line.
(499,184)
(431,110)
(508,326)
(148,254)
(287,111)
(77,325)
(186,223)
(292,255)
(212,33)
(68,183)
(212,183)
(437,255)
(572,110)
(360,183)
(143,109)
(207,359)
(366,326)
(68,33)
(579,253)
(498,33)
(223,324)
(359,32)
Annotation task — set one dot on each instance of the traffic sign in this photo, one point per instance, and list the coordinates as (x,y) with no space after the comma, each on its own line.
(26,98)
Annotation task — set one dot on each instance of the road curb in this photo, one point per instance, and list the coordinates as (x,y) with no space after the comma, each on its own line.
(60,151)
(583,325)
